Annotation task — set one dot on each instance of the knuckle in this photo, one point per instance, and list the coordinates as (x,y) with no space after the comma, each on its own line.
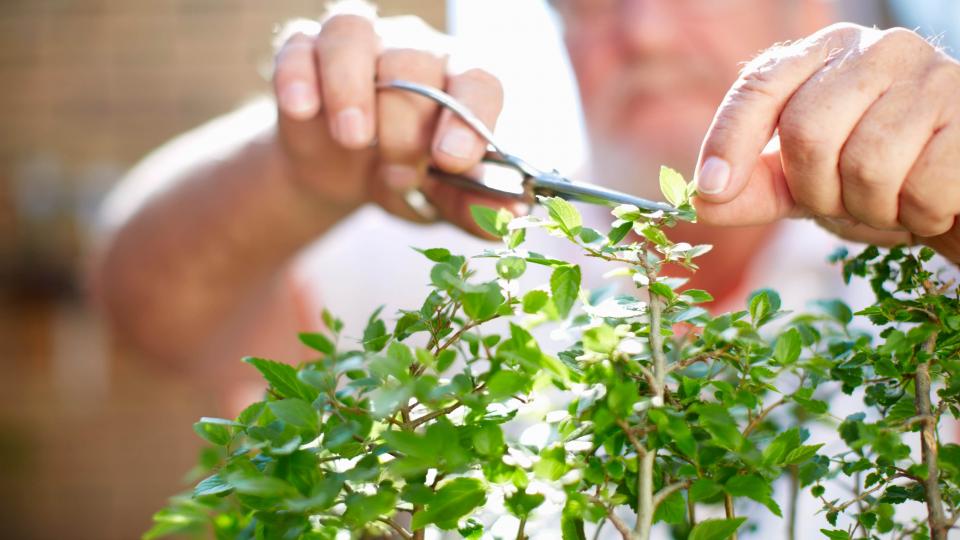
(858,169)
(482,78)
(923,216)
(802,139)
(348,23)
(414,61)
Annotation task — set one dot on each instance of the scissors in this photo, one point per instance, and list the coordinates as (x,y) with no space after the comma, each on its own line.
(536,182)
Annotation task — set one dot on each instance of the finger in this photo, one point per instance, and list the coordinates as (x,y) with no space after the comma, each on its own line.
(295,81)
(453,204)
(880,152)
(764,199)
(456,147)
(859,232)
(749,113)
(948,243)
(406,121)
(347,49)
(930,197)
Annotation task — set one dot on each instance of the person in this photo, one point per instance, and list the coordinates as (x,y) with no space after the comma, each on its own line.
(854,127)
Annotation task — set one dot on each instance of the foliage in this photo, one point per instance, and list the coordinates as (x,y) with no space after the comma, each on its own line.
(666,409)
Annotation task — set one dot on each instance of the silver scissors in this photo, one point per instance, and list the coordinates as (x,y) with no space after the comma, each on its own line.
(535,181)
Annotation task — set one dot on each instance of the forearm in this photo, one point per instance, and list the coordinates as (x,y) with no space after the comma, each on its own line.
(200,229)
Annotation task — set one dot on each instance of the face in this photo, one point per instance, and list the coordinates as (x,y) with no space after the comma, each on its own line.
(652,72)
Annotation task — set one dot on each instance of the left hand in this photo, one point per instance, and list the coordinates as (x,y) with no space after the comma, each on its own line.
(869,133)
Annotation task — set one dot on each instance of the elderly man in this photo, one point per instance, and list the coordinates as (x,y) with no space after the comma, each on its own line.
(203,234)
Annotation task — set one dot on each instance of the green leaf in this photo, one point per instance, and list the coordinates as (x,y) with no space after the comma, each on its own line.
(363,509)
(716,529)
(753,487)
(317,342)
(673,186)
(799,455)
(375,335)
(213,433)
(835,534)
(534,301)
(696,296)
(482,304)
(503,384)
(260,486)
(489,220)
(283,379)
(619,232)
(779,447)
(522,504)
(511,267)
(837,309)
(704,489)
(212,485)
(600,339)
(296,412)
(565,286)
(673,509)
(435,254)
(452,501)
(787,350)
(564,214)
(488,439)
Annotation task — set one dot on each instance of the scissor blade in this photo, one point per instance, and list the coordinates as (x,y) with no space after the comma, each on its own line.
(557,185)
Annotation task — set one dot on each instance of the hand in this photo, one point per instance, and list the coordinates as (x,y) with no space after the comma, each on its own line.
(869,140)
(350,144)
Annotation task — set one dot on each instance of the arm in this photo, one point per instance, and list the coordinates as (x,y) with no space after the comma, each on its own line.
(199,236)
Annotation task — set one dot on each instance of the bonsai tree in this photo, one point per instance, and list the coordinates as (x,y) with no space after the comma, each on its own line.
(668,413)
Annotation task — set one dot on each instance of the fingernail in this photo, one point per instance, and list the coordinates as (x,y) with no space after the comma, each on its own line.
(400,178)
(299,99)
(458,143)
(714,176)
(352,127)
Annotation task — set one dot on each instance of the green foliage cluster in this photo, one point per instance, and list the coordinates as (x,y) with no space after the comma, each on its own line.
(668,409)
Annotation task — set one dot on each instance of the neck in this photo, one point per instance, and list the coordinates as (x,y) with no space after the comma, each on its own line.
(724,269)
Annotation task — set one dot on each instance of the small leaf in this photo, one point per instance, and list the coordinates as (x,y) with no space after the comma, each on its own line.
(534,301)
(451,502)
(487,219)
(504,384)
(565,286)
(564,213)
(296,412)
(600,339)
(213,433)
(799,455)
(375,335)
(787,350)
(317,342)
(482,304)
(435,254)
(283,379)
(673,186)
(716,529)
(511,267)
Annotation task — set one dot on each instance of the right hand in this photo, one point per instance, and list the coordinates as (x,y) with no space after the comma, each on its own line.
(330,114)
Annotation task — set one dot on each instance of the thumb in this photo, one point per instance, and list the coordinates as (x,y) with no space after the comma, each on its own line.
(747,117)
(763,198)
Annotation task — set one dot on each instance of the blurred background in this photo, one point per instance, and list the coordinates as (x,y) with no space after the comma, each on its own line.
(92,438)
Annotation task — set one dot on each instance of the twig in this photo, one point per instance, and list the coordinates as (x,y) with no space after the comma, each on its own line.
(936,517)
(763,414)
(399,530)
(728,509)
(668,490)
